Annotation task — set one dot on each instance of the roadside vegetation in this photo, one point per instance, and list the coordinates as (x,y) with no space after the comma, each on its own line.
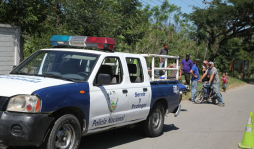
(218,32)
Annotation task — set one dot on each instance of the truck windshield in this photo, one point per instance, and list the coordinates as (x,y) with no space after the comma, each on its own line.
(71,66)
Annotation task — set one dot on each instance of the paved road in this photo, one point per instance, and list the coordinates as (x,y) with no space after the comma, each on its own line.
(198,126)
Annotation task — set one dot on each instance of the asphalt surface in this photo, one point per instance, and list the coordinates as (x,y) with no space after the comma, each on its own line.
(199,126)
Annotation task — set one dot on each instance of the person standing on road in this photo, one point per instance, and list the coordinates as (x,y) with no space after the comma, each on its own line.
(162,51)
(194,80)
(186,64)
(215,82)
(224,79)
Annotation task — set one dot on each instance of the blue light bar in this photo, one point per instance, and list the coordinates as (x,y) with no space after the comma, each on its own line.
(82,41)
(57,40)
(60,38)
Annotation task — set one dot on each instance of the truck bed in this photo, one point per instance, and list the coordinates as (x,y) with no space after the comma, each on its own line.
(168,90)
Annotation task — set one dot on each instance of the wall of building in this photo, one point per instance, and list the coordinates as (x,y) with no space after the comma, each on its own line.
(10,49)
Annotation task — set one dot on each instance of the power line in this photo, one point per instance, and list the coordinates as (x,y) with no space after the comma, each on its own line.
(184,2)
(154,2)
(196,3)
(148,3)
(202,3)
(144,2)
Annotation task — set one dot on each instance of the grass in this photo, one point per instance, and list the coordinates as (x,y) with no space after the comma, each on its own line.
(232,83)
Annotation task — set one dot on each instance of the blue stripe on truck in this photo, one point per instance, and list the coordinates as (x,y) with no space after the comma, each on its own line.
(67,95)
(164,90)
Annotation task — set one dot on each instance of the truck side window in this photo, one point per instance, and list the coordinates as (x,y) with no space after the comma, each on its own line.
(113,67)
(34,66)
(135,70)
(49,62)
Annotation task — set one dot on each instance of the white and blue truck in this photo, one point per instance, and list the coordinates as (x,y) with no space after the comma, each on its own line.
(57,95)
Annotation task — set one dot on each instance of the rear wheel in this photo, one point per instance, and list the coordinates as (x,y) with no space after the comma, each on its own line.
(198,97)
(65,134)
(155,121)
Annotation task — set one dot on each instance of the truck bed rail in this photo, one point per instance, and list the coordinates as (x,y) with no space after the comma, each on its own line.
(165,66)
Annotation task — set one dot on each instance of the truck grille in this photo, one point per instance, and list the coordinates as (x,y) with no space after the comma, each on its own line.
(2,102)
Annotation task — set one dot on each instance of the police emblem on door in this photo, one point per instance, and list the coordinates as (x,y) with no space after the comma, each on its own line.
(112,101)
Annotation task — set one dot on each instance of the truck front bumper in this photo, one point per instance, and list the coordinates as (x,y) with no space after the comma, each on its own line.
(23,129)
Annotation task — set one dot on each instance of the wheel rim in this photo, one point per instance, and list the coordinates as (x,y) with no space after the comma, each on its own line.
(65,137)
(198,97)
(157,118)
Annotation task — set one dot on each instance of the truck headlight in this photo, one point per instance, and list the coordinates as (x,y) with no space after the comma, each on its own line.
(24,103)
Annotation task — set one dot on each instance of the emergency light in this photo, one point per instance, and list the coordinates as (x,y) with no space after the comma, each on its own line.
(104,43)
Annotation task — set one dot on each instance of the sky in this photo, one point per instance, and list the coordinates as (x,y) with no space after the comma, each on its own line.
(186,5)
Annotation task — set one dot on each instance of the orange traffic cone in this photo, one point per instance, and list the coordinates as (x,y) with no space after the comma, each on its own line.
(248,137)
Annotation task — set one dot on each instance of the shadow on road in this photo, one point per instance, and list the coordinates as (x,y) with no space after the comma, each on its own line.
(184,110)
(113,138)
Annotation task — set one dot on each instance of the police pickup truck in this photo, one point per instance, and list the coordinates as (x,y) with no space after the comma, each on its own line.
(57,95)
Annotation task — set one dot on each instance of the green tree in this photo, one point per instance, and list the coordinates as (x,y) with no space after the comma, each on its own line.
(28,14)
(219,23)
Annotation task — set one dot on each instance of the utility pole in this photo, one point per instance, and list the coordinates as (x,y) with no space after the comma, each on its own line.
(206,2)
(225,3)
(207,36)
(206,46)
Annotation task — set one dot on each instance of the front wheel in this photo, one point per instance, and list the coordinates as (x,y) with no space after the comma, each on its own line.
(155,121)
(65,134)
(198,97)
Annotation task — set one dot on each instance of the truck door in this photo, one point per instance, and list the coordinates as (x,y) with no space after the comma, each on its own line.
(139,90)
(108,103)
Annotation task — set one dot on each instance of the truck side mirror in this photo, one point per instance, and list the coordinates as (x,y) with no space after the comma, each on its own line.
(103,79)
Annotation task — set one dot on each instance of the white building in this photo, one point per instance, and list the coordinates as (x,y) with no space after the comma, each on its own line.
(10,47)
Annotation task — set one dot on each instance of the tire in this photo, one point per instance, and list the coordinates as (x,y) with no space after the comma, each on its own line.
(154,123)
(198,97)
(65,134)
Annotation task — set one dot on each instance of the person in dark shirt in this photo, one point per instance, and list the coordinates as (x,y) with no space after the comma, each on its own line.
(187,64)
(162,51)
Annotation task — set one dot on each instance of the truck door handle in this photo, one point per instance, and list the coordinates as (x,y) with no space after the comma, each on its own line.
(125,91)
(145,89)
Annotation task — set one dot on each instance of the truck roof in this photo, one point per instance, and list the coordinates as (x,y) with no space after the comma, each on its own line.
(74,50)
(87,51)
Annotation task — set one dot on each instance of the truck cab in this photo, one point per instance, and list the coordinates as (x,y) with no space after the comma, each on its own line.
(61,94)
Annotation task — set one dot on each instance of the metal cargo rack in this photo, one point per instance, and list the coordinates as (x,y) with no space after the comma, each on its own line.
(165,66)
